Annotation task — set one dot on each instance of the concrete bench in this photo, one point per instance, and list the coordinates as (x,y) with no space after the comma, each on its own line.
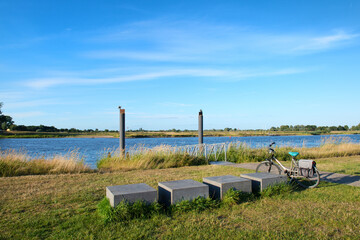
(219,185)
(131,193)
(260,181)
(175,191)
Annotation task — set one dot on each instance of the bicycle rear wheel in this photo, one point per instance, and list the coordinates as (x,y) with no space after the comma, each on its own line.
(308,182)
(268,167)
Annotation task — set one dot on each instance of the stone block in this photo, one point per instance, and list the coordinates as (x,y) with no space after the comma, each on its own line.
(175,191)
(131,193)
(260,181)
(219,185)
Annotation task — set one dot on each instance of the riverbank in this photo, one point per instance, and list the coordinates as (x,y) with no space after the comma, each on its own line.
(165,134)
(65,207)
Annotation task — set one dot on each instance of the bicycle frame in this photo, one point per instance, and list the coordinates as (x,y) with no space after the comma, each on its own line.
(289,171)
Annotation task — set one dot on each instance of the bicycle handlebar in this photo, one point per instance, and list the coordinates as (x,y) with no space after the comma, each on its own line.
(270,149)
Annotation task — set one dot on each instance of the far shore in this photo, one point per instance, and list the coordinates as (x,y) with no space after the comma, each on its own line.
(166,134)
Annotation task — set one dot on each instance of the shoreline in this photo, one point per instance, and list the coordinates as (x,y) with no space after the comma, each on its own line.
(169,135)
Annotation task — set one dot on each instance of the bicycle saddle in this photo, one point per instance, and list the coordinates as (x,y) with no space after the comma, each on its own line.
(294,154)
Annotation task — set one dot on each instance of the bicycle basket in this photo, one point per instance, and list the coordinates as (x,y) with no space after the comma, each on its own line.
(306,168)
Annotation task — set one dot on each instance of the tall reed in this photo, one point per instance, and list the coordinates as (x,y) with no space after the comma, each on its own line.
(156,158)
(17,163)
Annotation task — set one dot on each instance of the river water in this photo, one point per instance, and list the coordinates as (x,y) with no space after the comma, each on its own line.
(91,149)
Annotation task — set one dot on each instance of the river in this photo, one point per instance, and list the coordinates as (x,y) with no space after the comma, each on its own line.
(91,149)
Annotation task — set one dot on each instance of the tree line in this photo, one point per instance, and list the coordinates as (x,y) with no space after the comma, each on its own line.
(314,128)
(6,122)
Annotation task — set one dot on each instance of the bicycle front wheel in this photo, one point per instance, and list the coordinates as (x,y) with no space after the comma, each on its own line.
(268,167)
(308,182)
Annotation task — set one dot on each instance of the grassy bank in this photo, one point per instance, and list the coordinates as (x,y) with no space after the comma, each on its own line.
(157,158)
(164,156)
(65,207)
(14,163)
(330,147)
(164,134)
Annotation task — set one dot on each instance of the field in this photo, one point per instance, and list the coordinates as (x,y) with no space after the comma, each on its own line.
(65,206)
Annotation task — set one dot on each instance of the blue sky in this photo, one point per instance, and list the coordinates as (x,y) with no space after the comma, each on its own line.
(246,64)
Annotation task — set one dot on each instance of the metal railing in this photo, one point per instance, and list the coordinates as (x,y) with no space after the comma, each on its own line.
(214,152)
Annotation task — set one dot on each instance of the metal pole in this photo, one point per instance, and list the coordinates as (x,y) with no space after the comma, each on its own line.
(122,131)
(200,129)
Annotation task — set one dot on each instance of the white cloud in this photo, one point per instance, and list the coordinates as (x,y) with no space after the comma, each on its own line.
(215,74)
(54,81)
(197,42)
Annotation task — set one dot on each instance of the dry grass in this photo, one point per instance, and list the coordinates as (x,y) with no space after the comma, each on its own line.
(156,158)
(16,163)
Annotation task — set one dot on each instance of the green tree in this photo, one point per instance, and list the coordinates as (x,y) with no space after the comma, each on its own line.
(5,121)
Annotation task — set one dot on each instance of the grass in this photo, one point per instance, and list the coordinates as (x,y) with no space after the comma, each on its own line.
(345,165)
(16,163)
(65,207)
(165,157)
(156,158)
(330,147)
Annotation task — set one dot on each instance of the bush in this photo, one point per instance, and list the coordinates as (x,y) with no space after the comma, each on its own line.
(126,211)
(234,197)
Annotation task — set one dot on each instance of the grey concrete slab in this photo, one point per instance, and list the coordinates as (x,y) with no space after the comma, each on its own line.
(219,185)
(260,181)
(131,193)
(175,191)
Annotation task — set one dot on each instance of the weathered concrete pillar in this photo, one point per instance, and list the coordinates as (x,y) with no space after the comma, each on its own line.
(200,128)
(122,131)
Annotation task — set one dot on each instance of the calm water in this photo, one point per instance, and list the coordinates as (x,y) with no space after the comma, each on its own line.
(93,148)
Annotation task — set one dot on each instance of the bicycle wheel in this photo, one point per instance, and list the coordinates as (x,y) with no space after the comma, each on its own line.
(268,167)
(308,182)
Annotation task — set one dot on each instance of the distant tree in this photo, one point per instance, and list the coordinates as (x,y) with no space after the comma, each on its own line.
(5,121)
(284,128)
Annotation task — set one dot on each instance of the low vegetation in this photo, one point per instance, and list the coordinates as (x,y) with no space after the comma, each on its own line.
(126,211)
(65,207)
(156,158)
(166,157)
(15,163)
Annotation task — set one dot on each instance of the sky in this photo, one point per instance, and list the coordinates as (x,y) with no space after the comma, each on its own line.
(246,64)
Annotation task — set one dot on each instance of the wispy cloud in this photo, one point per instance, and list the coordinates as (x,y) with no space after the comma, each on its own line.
(54,81)
(325,42)
(215,74)
(198,42)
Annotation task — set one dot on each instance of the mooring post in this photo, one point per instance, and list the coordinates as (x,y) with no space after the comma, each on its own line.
(122,131)
(201,131)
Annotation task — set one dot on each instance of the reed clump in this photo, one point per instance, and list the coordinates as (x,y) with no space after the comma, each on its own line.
(330,147)
(156,158)
(18,163)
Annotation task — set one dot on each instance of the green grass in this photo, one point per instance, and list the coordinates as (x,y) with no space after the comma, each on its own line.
(65,207)
(345,165)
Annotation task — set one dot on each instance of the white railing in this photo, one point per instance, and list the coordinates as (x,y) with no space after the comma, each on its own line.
(210,151)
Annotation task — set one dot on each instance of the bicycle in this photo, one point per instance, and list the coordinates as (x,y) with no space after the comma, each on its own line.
(303,172)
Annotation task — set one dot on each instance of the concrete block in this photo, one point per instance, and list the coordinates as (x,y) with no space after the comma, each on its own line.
(175,191)
(260,181)
(131,193)
(219,185)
